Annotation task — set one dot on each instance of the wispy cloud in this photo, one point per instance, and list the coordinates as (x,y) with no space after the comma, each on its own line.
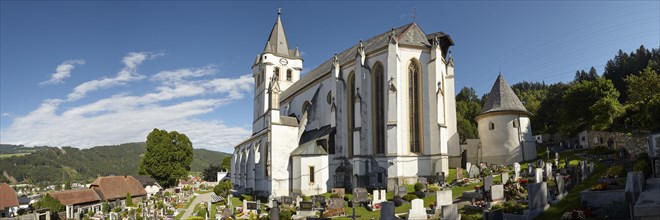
(176,102)
(126,74)
(62,72)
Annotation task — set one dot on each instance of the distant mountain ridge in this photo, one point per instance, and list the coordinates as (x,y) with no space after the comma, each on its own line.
(45,165)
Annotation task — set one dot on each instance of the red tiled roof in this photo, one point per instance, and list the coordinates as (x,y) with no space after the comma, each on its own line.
(76,196)
(116,187)
(7,197)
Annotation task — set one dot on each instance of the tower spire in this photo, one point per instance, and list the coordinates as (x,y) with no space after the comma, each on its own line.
(277,42)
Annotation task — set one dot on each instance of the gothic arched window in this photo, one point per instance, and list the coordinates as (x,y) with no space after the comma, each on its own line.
(276,73)
(414,105)
(379,108)
(491,126)
(351,111)
(288,74)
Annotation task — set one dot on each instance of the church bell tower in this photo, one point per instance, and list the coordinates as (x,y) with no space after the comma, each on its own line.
(277,66)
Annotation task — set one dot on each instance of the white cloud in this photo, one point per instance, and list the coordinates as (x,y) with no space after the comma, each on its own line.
(126,74)
(181,74)
(62,72)
(175,103)
(6,114)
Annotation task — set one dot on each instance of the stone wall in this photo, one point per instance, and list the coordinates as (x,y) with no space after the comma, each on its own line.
(634,144)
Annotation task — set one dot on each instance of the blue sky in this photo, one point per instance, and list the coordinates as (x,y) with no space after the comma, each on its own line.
(82,74)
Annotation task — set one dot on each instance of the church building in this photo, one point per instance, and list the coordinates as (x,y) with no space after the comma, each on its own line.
(379,114)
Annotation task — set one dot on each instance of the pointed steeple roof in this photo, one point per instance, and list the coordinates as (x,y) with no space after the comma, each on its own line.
(277,42)
(502,98)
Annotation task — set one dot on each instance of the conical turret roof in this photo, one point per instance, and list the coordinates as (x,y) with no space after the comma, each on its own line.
(502,98)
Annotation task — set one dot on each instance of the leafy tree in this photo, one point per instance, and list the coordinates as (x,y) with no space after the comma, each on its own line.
(210,174)
(168,157)
(226,163)
(468,107)
(643,107)
(222,189)
(67,185)
(589,105)
(51,203)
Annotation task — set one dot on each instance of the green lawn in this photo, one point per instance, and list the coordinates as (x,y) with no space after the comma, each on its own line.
(213,211)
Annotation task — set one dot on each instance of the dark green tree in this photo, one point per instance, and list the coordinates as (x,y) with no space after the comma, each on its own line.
(468,107)
(51,203)
(168,157)
(643,107)
(589,105)
(546,119)
(210,174)
(129,199)
(226,163)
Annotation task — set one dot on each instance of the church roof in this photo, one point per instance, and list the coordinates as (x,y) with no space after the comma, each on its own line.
(277,42)
(307,145)
(502,98)
(409,34)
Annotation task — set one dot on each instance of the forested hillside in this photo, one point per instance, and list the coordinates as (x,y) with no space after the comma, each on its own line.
(625,97)
(52,165)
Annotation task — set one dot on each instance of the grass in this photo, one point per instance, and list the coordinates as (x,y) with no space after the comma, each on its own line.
(572,200)
(213,211)
(203,191)
(13,155)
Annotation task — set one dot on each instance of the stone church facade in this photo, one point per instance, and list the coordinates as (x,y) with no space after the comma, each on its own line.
(379,114)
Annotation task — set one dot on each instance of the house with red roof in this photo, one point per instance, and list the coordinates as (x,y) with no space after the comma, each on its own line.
(115,189)
(8,200)
(78,202)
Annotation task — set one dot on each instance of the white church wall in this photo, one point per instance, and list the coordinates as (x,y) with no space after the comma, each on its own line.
(321,174)
(280,151)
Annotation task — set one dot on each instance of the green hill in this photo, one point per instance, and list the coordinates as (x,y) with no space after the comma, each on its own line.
(45,165)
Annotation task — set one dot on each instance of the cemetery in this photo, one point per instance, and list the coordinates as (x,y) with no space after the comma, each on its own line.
(571,184)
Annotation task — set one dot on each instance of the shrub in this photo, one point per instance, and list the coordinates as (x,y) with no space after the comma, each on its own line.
(433,188)
(222,189)
(335,195)
(285,214)
(169,212)
(644,166)
(419,186)
(615,171)
(129,199)
(409,197)
(420,194)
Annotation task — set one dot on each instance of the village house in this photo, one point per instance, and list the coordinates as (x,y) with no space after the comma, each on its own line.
(150,185)
(8,201)
(78,201)
(115,188)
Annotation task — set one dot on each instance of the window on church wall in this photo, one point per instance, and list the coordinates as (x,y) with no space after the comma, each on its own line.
(267,159)
(379,108)
(276,72)
(514,124)
(311,174)
(491,126)
(289,74)
(331,142)
(414,98)
(351,111)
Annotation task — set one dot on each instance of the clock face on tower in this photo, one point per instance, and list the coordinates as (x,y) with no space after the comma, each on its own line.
(284,61)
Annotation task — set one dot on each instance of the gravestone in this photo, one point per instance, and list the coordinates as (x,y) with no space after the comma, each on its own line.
(339,191)
(298,200)
(306,206)
(488,182)
(583,170)
(537,195)
(443,197)
(548,171)
(560,183)
(516,170)
(540,163)
(441,179)
(592,167)
(538,175)
(497,192)
(377,197)
(229,202)
(530,169)
(483,165)
(633,187)
(505,177)
(474,172)
(387,211)
(417,211)
(422,180)
(319,199)
(251,206)
(494,215)
(401,191)
(360,195)
(450,212)
(468,165)
(459,173)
